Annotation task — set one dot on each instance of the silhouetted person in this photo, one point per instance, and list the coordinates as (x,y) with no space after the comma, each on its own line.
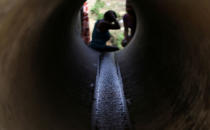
(101,32)
(129,21)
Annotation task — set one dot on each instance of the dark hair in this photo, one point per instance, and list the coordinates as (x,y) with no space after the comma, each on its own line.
(108,15)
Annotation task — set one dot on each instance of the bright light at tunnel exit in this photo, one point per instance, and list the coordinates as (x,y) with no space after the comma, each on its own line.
(104,35)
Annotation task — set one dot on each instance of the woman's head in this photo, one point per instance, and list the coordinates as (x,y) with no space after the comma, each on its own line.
(129,7)
(110,16)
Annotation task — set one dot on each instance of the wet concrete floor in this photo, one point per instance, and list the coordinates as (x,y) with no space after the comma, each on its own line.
(109,109)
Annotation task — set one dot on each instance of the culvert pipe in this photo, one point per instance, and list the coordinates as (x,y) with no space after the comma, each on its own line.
(47,73)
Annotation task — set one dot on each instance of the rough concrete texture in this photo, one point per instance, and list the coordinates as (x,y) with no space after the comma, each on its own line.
(45,69)
(109,109)
(167,67)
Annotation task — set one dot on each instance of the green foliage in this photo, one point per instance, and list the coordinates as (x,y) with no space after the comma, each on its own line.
(100,16)
(95,10)
(118,15)
(117,38)
(99,4)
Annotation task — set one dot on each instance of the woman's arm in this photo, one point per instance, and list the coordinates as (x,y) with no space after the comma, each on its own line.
(114,25)
(126,31)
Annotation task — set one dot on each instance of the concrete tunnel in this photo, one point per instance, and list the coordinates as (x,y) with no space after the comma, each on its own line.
(46,72)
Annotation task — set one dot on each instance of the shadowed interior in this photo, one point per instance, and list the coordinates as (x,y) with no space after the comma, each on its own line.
(47,72)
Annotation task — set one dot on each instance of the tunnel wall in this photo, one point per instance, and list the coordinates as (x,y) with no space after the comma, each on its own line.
(170,71)
(46,71)
(44,80)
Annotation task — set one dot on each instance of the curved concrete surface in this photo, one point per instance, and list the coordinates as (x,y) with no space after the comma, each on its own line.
(46,72)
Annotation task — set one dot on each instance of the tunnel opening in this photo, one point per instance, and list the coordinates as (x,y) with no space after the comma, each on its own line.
(97,29)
